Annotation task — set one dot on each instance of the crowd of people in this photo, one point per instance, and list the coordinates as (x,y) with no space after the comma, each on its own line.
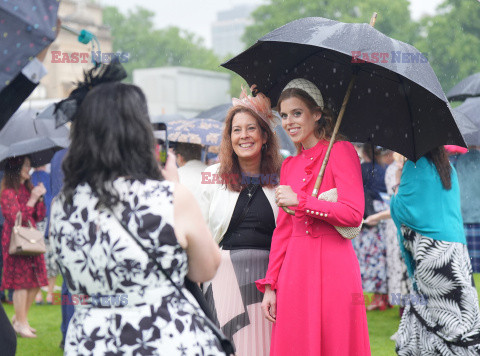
(121,226)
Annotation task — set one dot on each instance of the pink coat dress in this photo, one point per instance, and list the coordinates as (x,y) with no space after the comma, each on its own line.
(314,270)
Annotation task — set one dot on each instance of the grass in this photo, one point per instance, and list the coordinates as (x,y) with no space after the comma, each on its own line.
(47,318)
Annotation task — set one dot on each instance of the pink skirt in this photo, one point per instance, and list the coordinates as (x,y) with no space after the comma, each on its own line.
(320,307)
(237,301)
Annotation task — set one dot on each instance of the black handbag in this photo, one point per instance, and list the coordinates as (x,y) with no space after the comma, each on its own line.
(226,344)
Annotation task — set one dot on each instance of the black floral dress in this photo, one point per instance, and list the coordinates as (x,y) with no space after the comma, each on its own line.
(123,304)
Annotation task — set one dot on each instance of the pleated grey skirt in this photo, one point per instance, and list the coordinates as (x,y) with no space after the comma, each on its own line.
(233,296)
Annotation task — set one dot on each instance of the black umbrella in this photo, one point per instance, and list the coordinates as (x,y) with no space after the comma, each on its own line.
(25,135)
(468,118)
(467,88)
(219,113)
(28,26)
(396,100)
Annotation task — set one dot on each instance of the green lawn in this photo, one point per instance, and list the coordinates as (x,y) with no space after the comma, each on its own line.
(47,318)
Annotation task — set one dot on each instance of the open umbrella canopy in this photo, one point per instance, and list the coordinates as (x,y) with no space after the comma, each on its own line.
(165,118)
(205,132)
(396,101)
(467,88)
(468,118)
(218,112)
(25,135)
(28,26)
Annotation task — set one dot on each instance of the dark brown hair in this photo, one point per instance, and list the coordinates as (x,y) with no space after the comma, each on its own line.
(229,166)
(439,158)
(13,169)
(111,137)
(323,127)
(189,151)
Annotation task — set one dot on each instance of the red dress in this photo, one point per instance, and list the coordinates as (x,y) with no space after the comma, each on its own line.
(315,271)
(21,272)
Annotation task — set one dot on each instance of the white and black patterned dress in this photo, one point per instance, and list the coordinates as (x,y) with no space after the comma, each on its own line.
(446,320)
(141,313)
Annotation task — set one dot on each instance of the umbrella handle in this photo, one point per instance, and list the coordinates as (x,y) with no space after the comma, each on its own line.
(84,36)
(373,19)
(288,210)
(318,182)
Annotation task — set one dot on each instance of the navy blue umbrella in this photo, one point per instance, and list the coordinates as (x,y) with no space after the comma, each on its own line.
(166,118)
(27,27)
(216,113)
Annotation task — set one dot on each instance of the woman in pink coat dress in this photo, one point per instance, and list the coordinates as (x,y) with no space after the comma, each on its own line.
(313,288)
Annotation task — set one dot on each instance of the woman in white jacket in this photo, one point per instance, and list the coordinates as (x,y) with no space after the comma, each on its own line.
(238,202)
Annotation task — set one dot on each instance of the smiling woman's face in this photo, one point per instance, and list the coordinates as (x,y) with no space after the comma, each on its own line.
(247,138)
(299,122)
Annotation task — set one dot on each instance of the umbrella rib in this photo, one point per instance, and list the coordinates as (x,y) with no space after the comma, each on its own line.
(410,113)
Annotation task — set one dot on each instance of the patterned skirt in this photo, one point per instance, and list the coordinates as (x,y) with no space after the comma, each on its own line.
(370,248)
(472,232)
(447,322)
(396,269)
(232,294)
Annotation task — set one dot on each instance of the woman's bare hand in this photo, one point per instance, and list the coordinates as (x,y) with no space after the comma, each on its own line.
(269,304)
(371,221)
(38,191)
(170,172)
(285,196)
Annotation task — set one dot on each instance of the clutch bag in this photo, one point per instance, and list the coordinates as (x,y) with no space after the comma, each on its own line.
(347,232)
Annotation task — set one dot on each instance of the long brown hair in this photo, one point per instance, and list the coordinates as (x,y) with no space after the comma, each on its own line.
(323,127)
(439,158)
(11,178)
(229,167)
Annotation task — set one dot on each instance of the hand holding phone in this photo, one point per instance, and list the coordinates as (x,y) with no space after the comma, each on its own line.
(161,138)
(170,172)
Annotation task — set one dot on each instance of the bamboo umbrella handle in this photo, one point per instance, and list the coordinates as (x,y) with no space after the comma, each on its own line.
(373,19)
(318,182)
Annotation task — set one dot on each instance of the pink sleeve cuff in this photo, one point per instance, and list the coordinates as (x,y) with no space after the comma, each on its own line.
(261,283)
(302,201)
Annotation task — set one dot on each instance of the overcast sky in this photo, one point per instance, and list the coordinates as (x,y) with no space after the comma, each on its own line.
(198,15)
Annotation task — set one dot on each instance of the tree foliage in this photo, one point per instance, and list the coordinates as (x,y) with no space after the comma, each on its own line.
(148,47)
(451,38)
(394,17)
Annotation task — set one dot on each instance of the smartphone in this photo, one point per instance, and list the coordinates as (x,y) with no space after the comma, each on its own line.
(161,138)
